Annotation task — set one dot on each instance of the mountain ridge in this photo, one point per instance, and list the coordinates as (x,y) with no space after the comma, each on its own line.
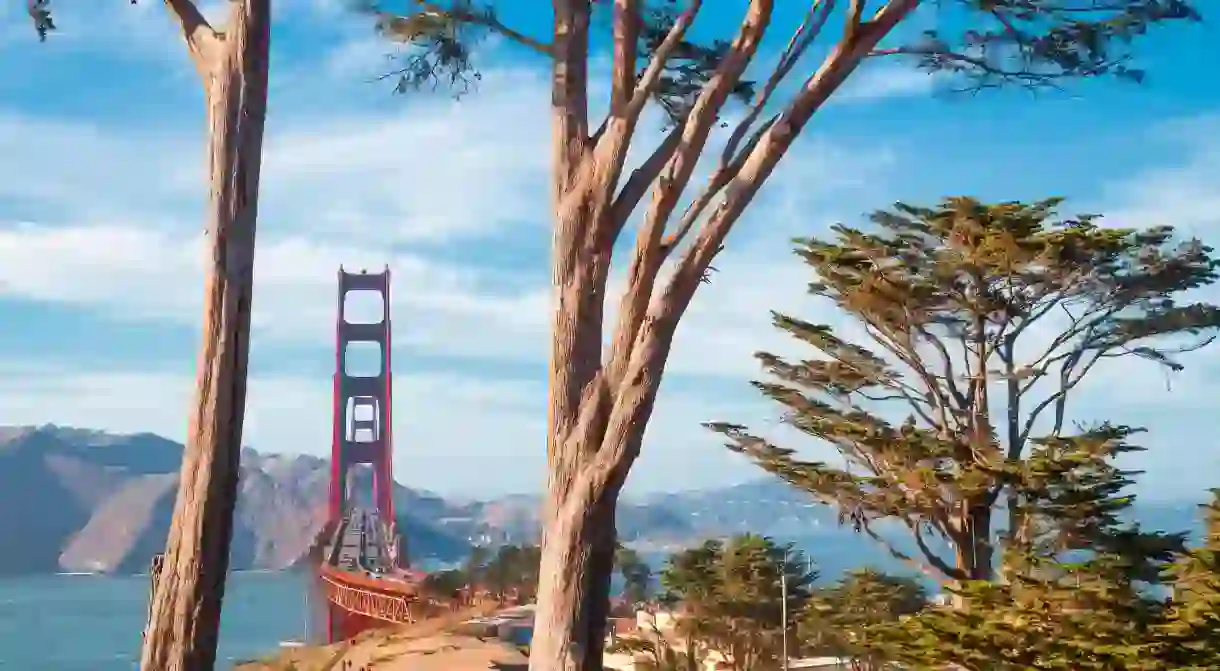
(104,503)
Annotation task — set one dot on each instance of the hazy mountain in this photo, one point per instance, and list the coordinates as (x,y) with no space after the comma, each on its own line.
(79,500)
(75,500)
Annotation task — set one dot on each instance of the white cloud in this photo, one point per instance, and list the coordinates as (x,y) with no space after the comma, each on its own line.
(452,432)
(453,196)
(430,186)
(1180,193)
(886,82)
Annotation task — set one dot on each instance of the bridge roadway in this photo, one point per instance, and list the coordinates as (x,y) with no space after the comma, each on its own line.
(359,577)
(359,545)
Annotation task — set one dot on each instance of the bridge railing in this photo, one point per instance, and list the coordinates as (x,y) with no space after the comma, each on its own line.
(386,607)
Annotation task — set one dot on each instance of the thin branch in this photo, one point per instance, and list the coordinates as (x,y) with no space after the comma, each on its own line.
(660,57)
(706,110)
(774,144)
(1066,386)
(613,139)
(949,374)
(632,192)
(716,183)
(876,332)
(933,559)
(805,35)
(202,41)
(675,175)
(489,21)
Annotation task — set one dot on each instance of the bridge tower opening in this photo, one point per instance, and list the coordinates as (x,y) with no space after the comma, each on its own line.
(362,396)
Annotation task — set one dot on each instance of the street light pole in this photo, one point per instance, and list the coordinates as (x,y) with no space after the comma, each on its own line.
(783,596)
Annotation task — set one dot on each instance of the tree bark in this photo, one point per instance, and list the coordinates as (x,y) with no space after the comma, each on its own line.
(599,407)
(570,624)
(184,617)
(601,555)
(974,550)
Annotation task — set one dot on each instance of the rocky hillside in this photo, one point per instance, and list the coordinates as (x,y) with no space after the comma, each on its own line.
(77,500)
(74,500)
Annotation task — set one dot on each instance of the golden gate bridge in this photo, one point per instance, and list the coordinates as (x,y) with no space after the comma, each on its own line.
(363,573)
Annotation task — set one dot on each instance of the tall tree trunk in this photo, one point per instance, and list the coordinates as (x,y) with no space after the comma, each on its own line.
(186,604)
(601,555)
(974,550)
(566,609)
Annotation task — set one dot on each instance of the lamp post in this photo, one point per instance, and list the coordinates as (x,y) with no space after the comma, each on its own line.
(783,598)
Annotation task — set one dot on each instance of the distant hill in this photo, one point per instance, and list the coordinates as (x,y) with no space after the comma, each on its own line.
(79,500)
(73,500)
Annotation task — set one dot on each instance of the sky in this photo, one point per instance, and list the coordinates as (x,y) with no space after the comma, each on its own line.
(101,207)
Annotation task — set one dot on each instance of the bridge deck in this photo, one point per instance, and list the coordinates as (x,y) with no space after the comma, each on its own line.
(358,575)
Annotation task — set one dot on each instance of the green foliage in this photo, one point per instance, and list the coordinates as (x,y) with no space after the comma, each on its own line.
(512,569)
(1029,43)
(637,575)
(731,596)
(1072,596)
(1072,500)
(950,301)
(1191,632)
(654,652)
(439,39)
(1080,621)
(1037,43)
(446,583)
(40,12)
(838,619)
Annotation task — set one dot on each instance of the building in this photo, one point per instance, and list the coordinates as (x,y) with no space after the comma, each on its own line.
(663,623)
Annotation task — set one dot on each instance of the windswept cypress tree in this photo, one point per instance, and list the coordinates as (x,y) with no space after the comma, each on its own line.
(1192,629)
(1075,596)
(953,304)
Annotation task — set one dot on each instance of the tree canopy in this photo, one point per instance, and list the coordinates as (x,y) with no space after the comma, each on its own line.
(977,321)
(1075,594)
(838,619)
(1029,43)
(509,571)
(636,574)
(732,600)
(1190,635)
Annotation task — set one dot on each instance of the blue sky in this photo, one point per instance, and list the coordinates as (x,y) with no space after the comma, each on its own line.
(101,194)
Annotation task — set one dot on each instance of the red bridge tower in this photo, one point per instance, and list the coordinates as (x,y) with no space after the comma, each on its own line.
(362,421)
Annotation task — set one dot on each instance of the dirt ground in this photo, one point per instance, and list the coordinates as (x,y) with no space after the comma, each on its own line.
(427,646)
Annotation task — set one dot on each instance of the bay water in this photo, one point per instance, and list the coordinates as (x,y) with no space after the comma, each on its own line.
(94,623)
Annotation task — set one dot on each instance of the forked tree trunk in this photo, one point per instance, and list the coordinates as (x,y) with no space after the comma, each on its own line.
(570,630)
(578,520)
(184,618)
(599,407)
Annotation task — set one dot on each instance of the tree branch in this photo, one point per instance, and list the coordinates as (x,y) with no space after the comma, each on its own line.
(630,195)
(706,111)
(626,106)
(626,46)
(805,35)
(675,172)
(570,94)
(202,41)
(660,57)
(760,162)
(489,21)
